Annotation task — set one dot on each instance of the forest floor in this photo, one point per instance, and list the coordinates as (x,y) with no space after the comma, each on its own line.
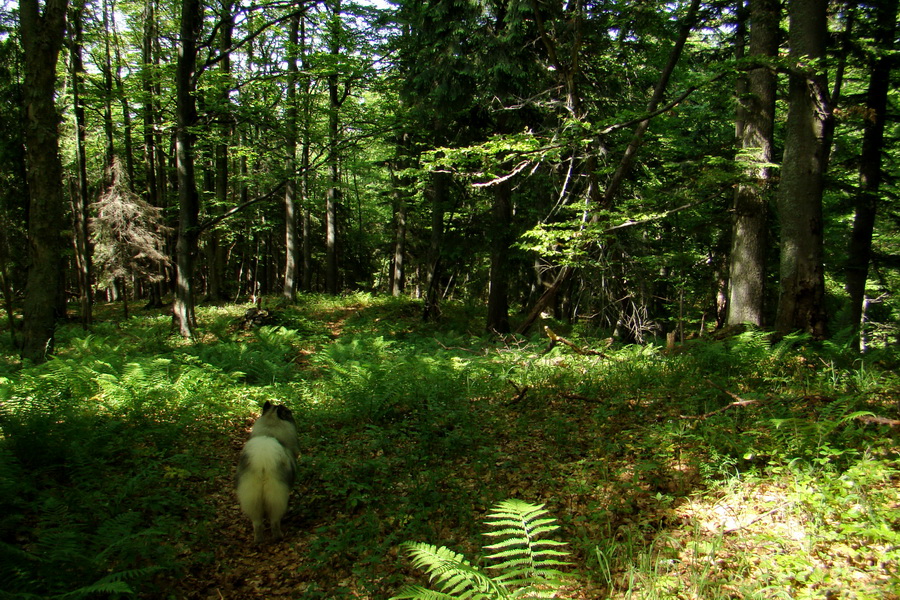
(738,469)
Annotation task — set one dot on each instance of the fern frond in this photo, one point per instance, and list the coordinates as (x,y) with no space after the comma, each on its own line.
(453,573)
(527,563)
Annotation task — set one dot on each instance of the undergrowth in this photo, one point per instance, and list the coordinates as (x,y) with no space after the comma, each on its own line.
(111,451)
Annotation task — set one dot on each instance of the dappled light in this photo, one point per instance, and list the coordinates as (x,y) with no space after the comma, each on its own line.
(122,452)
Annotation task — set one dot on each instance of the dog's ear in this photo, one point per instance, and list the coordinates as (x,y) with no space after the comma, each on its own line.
(284,413)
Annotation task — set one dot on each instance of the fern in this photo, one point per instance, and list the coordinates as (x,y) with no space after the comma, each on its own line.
(455,575)
(528,565)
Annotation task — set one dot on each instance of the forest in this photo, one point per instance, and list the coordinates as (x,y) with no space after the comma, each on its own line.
(616,278)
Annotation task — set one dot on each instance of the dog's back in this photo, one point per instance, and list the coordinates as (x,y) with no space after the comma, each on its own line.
(266,469)
(264,477)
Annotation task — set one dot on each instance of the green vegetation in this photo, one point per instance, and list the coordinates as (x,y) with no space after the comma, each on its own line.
(734,468)
(527,564)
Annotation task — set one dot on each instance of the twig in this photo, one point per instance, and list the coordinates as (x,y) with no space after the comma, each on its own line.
(754,520)
(520,391)
(580,397)
(455,347)
(732,394)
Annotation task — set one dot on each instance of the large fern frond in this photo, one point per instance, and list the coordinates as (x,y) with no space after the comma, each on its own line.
(527,563)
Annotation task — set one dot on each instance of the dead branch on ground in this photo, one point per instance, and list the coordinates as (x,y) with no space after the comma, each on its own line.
(554,339)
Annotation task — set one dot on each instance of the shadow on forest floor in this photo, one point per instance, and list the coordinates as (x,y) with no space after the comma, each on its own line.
(412,431)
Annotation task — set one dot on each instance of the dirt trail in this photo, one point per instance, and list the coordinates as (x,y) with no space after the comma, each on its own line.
(237,568)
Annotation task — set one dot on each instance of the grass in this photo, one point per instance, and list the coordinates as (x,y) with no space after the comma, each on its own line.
(116,457)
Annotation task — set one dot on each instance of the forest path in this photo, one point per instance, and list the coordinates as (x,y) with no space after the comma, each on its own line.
(236,568)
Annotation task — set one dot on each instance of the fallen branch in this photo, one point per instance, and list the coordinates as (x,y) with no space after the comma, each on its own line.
(879,420)
(738,401)
(554,338)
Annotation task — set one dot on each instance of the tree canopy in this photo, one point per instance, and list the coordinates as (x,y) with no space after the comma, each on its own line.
(612,161)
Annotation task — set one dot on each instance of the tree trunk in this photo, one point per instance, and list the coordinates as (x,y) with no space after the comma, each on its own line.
(42,37)
(106,69)
(291,207)
(399,185)
(188,199)
(756,115)
(438,193)
(802,293)
(154,158)
(306,230)
(333,196)
(870,171)
(80,193)
(498,300)
(628,158)
(128,143)
(215,250)
(397,279)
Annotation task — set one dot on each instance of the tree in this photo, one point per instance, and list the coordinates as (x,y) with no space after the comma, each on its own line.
(291,206)
(128,234)
(79,199)
(155,181)
(13,193)
(802,276)
(755,130)
(870,164)
(42,35)
(334,193)
(188,198)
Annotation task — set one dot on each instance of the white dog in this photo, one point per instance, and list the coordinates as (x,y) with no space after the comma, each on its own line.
(266,469)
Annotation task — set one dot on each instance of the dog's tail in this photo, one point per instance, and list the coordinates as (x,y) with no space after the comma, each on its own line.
(264,478)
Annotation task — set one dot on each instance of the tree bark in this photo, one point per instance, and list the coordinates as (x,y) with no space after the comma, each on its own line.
(215,249)
(398,273)
(154,158)
(333,196)
(870,164)
(306,229)
(291,207)
(80,193)
(188,199)
(437,192)
(127,142)
(628,158)
(802,285)
(756,115)
(498,300)
(400,185)
(42,36)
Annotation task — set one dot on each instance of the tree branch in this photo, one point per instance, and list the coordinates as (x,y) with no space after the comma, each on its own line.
(209,223)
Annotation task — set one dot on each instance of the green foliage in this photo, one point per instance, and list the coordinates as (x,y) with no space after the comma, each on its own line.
(104,450)
(414,430)
(527,564)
